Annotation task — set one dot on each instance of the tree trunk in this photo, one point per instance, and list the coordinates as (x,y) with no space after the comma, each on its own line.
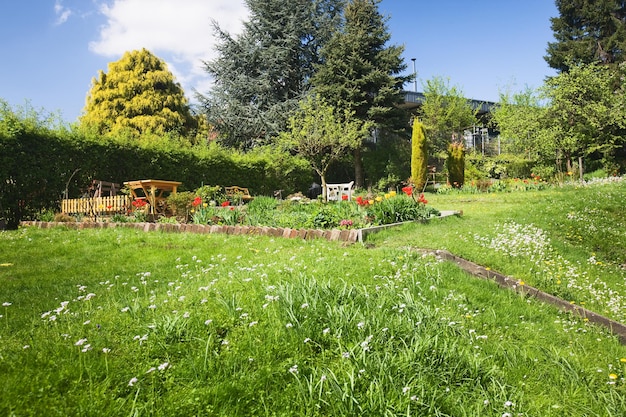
(581,170)
(359,175)
(322,175)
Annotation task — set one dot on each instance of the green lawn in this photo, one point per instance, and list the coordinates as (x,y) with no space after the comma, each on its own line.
(121,322)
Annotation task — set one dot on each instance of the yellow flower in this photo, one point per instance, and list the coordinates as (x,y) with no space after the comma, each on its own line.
(370,202)
(205,204)
(387,195)
(392,193)
(623,360)
(379,199)
(612,376)
(6,264)
(522,283)
(558,282)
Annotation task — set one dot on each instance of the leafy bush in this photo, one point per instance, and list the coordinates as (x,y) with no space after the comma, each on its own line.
(210,193)
(180,204)
(64,218)
(398,208)
(261,210)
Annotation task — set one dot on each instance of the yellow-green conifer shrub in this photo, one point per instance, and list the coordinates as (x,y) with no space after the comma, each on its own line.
(419,155)
(456,164)
(137,96)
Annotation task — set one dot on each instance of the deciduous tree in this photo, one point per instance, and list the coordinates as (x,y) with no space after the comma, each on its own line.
(586,113)
(519,118)
(445,112)
(322,134)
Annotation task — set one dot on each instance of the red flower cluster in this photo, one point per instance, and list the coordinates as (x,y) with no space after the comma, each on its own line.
(422,199)
(196,201)
(344,197)
(226,204)
(361,202)
(408,191)
(139,203)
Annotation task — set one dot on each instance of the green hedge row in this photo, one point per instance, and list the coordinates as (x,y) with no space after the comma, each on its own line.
(38,165)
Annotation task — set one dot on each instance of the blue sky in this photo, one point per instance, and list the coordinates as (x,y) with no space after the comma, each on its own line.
(51,49)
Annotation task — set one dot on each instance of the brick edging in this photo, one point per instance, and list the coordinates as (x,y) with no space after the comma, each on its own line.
(344,235)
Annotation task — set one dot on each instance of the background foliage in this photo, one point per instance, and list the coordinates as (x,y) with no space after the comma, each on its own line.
(37,163)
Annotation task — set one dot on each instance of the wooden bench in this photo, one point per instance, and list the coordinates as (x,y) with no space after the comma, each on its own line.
(238,193)
(336,192)
(99,188)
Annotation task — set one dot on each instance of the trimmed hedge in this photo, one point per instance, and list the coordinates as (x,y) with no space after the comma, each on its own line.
(38,164)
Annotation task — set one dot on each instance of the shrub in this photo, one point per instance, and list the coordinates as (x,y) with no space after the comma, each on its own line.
(64,218)
(180,204)
(419,155)
(456,164)
(398,208)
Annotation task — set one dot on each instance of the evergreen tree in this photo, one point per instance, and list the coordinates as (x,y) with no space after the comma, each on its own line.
(588,31)
(261,75)
(456,164)
(138,95)
(360,73)
(419,155)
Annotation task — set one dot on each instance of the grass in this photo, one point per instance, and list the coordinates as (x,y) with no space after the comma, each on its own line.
(120,322)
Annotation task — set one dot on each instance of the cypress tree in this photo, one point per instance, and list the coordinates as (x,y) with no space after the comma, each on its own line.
(456,164)
(419,155)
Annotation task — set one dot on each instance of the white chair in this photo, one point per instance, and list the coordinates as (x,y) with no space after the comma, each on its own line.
(335,192)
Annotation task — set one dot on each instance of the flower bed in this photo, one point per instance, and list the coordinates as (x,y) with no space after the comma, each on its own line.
(301,213)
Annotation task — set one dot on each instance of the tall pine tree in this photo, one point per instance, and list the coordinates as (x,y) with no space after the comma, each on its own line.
(361,73)
(261,75)
(588,31)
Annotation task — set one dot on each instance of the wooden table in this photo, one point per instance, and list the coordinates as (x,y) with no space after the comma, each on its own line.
(154,192)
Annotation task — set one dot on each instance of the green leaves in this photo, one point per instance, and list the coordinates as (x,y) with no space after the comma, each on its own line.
(445,113)
(322,135)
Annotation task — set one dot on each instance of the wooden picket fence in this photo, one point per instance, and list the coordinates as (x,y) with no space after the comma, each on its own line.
(97,206)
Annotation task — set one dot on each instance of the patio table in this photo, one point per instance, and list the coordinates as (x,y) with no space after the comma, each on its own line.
(154,192)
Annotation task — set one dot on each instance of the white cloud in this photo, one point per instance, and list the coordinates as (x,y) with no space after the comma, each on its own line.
(62,13)
(178,31)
